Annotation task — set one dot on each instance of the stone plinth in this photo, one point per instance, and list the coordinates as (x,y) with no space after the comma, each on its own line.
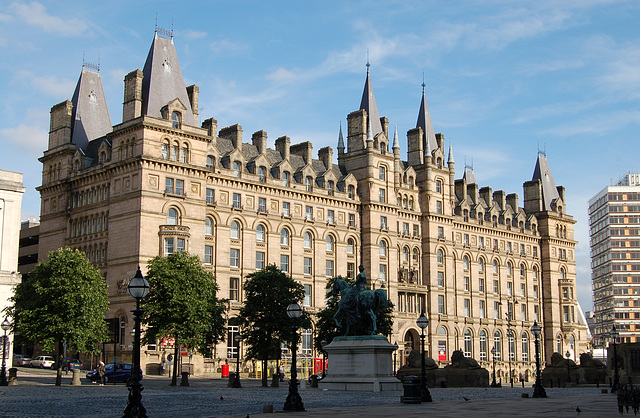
(361,363)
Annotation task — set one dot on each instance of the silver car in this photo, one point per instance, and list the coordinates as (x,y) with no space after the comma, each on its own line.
(21,360)
(42,362)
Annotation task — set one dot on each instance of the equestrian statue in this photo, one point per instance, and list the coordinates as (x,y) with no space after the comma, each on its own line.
(356,300)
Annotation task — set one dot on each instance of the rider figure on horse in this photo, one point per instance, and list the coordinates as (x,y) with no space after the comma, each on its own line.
(351,298)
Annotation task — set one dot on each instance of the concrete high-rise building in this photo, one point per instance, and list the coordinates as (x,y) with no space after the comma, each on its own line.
(483,264)
(614,228)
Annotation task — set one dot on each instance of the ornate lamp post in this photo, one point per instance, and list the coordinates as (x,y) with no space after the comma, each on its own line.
(294,400)
(493,356)
(6,325)
(538,391)
(568,355)
(616,377)
(138,288)
(422,322)
(236,378)
(395,356)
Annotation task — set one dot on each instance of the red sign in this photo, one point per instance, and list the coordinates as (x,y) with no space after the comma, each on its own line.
(442,351)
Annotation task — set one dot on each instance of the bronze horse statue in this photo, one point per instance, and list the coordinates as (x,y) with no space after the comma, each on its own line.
(354,301)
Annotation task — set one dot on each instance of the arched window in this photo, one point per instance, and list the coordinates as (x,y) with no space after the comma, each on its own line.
(175,150)
(481,265)
(235,230)
(525,347)
(330,243)
(483,346)
(350,246)
(175,120)
(165,150)
(208,226)
(467,343)
(512,346)
(236,169)
(210,161)
(509,269)
(411,203)
(260,233)
(284,236)
(285,178)
(559,344)
(308,183)
(184,154)
(562,275)
(383,248)
(440,256)
(405,253)
(404,203)
(497,345)
(522,271)
(172,216)
(495,266)
(308,239)
(465,262)
(416,255)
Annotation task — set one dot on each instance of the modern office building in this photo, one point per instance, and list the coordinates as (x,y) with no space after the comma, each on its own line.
(483,264)
(614,222)
(28,247)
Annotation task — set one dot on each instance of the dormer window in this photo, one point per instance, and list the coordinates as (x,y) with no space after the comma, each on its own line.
(330,187)
(176,120)
(285,178)
(262,174)
(308,183)
(210,161)
(236,169)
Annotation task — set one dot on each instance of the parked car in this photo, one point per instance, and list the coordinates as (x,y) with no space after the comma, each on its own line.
(42,362)
(122,373)
(21,360)
(71,364)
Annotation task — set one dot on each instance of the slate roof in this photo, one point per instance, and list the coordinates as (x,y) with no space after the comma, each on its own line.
(163,80)
(542,172)
(90,115)
(424,122)
(368,103)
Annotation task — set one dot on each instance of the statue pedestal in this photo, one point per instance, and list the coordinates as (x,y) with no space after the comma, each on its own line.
(361,363)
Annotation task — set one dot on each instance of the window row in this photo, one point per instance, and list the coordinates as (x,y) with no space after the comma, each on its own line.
(89,196)
(88,225)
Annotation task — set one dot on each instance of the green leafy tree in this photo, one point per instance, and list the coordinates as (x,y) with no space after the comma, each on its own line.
(263,315)
(327,330)
(63,299)
(182,303)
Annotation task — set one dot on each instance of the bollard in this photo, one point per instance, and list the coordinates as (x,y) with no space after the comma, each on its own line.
(267,409)
(75,379)
(185,379)
(275,381)
(13,377)
(522,384)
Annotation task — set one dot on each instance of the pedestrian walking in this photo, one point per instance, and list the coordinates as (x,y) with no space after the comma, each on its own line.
(101,373)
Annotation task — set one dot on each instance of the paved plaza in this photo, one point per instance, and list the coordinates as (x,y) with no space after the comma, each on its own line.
(36,396)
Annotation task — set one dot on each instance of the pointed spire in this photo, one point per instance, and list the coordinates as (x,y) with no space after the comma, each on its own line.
(542,172)
(90,115)
(368,103)
(340,138)
(396,143)
(450,160)
(424,122)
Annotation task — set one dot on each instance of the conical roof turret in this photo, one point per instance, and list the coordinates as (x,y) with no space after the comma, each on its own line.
(424,122)
(90,115)
(542,172)
(368,103)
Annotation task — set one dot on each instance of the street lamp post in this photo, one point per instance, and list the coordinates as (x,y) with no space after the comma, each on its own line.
(538,391)
(138,288)
(395,357)
(568,355)
(616,377)
(294,400)
(236,378)
(6,325)
(493,357)
(423,322)
(324,358)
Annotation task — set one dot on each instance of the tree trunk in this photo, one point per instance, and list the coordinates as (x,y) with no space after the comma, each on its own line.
(176,353)
(59,364)
(264,373)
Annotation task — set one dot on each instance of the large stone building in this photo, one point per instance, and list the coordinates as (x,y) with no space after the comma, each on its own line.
(480,265)
(11,191)
(614,222)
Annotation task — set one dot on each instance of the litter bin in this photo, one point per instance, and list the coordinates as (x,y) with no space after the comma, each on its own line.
(313,380)
(411,385)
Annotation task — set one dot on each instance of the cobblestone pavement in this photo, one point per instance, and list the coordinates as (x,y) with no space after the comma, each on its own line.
(36,396)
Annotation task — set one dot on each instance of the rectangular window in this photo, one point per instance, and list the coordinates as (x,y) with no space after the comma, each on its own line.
(237,200)
(441,310)
(309,213)
(496,310)
(439,207)
(466,284)
(308,265)
(169,183)
(496,287)
(467,307)
(535,291)
(329,265)
(536,313)
(211,197)
(480,242)
(523,308)
(441,232)
(208,254)
(382,196)
(259,260)
(307,295)
(168,246)
(284,263)
(535,251)
(234,285)
(481,285)
(383,272)
(508,247)
(383,222)
(180,247)
(565,313)
(351,268)
(352,220)
(465,240)
(509,288)
(234,257)
(286,209)
(416,230)
(523,289)
(441,278)
(482,312)
(331,216)
(262,204)
(405,228)
(180,187)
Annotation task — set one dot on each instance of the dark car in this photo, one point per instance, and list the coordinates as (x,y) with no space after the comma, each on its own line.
(71,364)
(122,373)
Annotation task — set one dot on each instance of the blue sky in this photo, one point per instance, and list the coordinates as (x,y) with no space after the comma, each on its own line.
(504,78)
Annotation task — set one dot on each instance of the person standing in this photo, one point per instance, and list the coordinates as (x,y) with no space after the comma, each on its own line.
(101,373)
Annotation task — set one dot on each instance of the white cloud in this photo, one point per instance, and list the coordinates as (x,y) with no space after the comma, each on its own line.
(35,14)
(195,34)
(224,45)
(29,139)
(49,85)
